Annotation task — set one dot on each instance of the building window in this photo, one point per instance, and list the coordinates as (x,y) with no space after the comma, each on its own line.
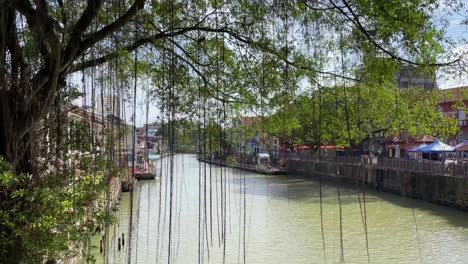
(256,150)
(461,115)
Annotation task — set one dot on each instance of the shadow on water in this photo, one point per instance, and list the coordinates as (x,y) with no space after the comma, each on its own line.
(454,216)
(307,189)
(298,188)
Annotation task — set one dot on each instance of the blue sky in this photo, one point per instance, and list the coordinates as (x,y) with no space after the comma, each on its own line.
(457,31)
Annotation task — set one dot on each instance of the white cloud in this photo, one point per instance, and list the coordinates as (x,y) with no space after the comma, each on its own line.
(456,75)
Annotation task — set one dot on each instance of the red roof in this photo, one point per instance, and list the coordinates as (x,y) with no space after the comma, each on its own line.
(464,148)
(395,139)
(425,139)
(302,147)
(453,94)
(331,147)
(411,146)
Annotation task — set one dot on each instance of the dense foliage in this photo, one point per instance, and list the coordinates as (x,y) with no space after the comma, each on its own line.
(323,117)
(206,59)
(55,217)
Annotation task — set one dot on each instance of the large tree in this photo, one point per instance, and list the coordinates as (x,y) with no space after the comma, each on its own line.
(241,51)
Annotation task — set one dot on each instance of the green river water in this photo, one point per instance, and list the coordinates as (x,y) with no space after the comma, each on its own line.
(276,219)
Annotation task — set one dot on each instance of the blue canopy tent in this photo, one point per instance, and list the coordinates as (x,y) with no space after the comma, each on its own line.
(415,149)
(412,153)
(436,148)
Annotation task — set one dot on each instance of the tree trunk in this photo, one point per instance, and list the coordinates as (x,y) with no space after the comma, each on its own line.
(17,151)
(6,127)
(13,253)
(14,149)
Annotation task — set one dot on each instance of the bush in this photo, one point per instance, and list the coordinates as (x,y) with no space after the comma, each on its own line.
(51,216)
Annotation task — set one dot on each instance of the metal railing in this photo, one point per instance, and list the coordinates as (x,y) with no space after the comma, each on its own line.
(448,168)
(361,160)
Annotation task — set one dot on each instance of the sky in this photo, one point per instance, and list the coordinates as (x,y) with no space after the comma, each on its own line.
(458,32)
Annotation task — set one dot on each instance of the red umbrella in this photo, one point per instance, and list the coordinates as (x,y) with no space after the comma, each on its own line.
(327,147)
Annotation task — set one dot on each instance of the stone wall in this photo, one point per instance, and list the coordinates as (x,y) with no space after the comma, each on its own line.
(445,190)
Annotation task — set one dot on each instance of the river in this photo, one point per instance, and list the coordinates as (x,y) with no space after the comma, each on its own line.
(277,219)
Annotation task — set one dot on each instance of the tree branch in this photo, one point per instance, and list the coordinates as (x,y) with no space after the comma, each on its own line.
(113,27)
(25,8)
(355,20)
(199,73)
(42,6)
(314,8)
(92,10)
(138,43)
(181,31)
(188,54)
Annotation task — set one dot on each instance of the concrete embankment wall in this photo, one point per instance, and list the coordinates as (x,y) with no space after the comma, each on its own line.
(445,190)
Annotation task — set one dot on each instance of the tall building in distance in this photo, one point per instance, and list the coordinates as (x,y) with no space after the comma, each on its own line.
(409,76)
(405,75)
(109,105)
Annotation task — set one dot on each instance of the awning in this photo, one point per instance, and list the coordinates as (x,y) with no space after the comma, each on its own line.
(413,147)
(331,147)
(436,147)
(462,144)
(395,140)
(302,147)
(425,139)
(462,148)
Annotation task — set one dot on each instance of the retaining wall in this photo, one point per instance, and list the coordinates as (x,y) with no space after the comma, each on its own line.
(441,189)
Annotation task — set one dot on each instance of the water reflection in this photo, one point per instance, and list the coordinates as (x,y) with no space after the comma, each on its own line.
(282,222)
